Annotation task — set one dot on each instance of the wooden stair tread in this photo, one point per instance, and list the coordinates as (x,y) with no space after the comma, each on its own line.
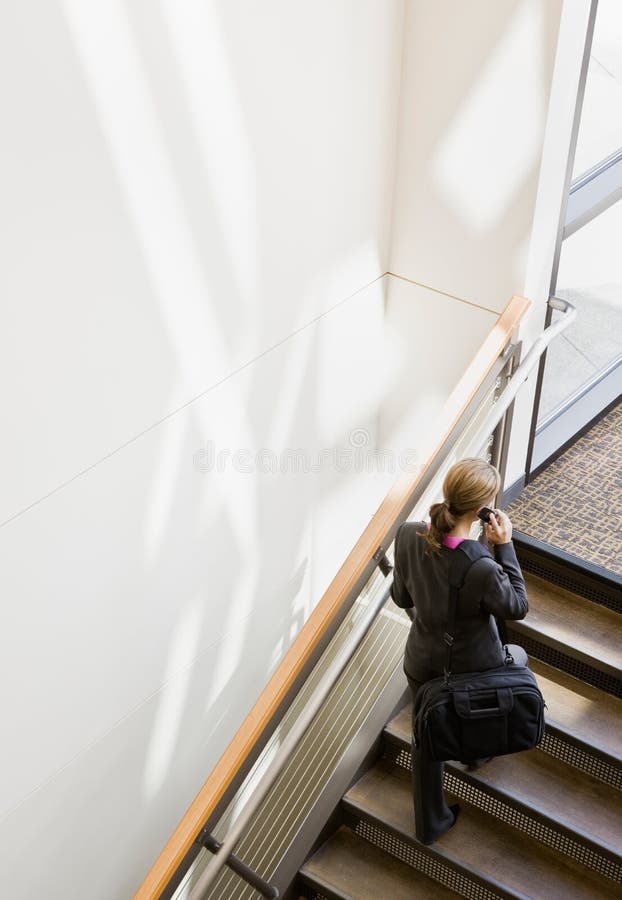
(545,784)
(590,632)
(480,843)
(399,728)
(353,867)
(559,792)
(581,710)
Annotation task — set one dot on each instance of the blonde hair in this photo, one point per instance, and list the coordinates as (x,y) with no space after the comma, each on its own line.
(467,486)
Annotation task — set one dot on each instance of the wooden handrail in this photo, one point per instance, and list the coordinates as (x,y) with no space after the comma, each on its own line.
(326,610)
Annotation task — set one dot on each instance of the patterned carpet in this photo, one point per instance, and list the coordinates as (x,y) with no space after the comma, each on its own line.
(576,503)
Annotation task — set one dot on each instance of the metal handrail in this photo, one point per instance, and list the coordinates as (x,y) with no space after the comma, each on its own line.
(524,370)
(347,651)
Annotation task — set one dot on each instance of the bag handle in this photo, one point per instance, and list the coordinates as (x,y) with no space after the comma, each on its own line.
(462,704)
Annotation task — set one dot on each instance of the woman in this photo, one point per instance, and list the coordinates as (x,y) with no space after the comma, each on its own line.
(493,587)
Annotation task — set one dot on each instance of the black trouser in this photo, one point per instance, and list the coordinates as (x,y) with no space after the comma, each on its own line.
(432,814)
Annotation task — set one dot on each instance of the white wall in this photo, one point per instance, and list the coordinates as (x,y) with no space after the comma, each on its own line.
(195,218)
(475,88)
(487,101)
(424,357)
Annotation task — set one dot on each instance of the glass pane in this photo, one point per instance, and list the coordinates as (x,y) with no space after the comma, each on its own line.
(590,277)
(600,130)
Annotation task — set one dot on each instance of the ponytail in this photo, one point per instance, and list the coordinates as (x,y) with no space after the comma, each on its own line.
(467,486)
(442,521)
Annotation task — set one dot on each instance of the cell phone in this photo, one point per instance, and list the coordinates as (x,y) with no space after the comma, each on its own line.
(484,514)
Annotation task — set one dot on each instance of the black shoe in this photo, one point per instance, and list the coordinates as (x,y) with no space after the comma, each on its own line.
(455,809)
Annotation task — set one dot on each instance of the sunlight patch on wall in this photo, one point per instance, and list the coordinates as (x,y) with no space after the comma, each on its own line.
(163,488)
(131,126)
(298,360)
(502,112)
(210,82)
(237,622)
(226,430)
(173,699)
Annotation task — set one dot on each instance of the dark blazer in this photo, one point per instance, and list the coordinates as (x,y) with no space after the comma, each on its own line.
(494,586)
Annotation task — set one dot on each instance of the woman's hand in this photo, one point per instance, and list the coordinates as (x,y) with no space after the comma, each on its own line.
(499,529)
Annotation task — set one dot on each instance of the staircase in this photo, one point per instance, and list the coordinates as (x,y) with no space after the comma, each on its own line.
(543,824)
